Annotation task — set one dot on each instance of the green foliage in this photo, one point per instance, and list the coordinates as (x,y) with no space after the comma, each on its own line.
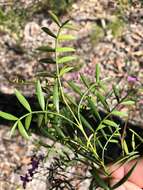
(12,21)
(126,3)
(14,17)
(22,100)
(59,6)
(97,34)
(76,123)
(116,26)
(8,116)
(40,95)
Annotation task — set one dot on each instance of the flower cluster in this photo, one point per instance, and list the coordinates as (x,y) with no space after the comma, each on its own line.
(35,160)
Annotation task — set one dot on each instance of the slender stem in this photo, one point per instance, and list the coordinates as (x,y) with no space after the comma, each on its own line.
(82,98)
(48,112)
(58,77)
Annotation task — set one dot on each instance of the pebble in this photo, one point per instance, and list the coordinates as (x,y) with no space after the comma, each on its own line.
(31,31)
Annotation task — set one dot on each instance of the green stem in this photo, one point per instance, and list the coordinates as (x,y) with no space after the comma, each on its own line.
(58,76)
(48,112)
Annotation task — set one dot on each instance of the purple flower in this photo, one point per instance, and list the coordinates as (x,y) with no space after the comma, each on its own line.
(132,79)
(35,164)
(41,157)
(31,172)
(35,160)
(24,179)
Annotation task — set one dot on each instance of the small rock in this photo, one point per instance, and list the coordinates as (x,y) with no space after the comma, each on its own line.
(128,40)
(31,30)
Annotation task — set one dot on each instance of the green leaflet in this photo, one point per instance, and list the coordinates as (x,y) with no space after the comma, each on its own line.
(110,123)
(101,126)
(56,96)
(66,37)
(49,32)
(65,49)
(45,74)
(85,80)
(86,123)
(65,70)
(22,100)
(65,23)
(40,95)
(120,113)
(22,130)
(128,102)
(46,114)
(66,59)
(137,135)
(55,18)
(12,131)
(70,26)
(57,126)
(93,108)
(113,141)
(40,119)
(117,93)
(45,49)
(97,73)
(28,120)
(75,87)
(89,140)
(125,147)
(8,116)
(133,142)
(103,101)
(70,99)
(47,60)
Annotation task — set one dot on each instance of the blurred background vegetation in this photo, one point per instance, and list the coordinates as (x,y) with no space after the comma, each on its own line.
(15,14)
